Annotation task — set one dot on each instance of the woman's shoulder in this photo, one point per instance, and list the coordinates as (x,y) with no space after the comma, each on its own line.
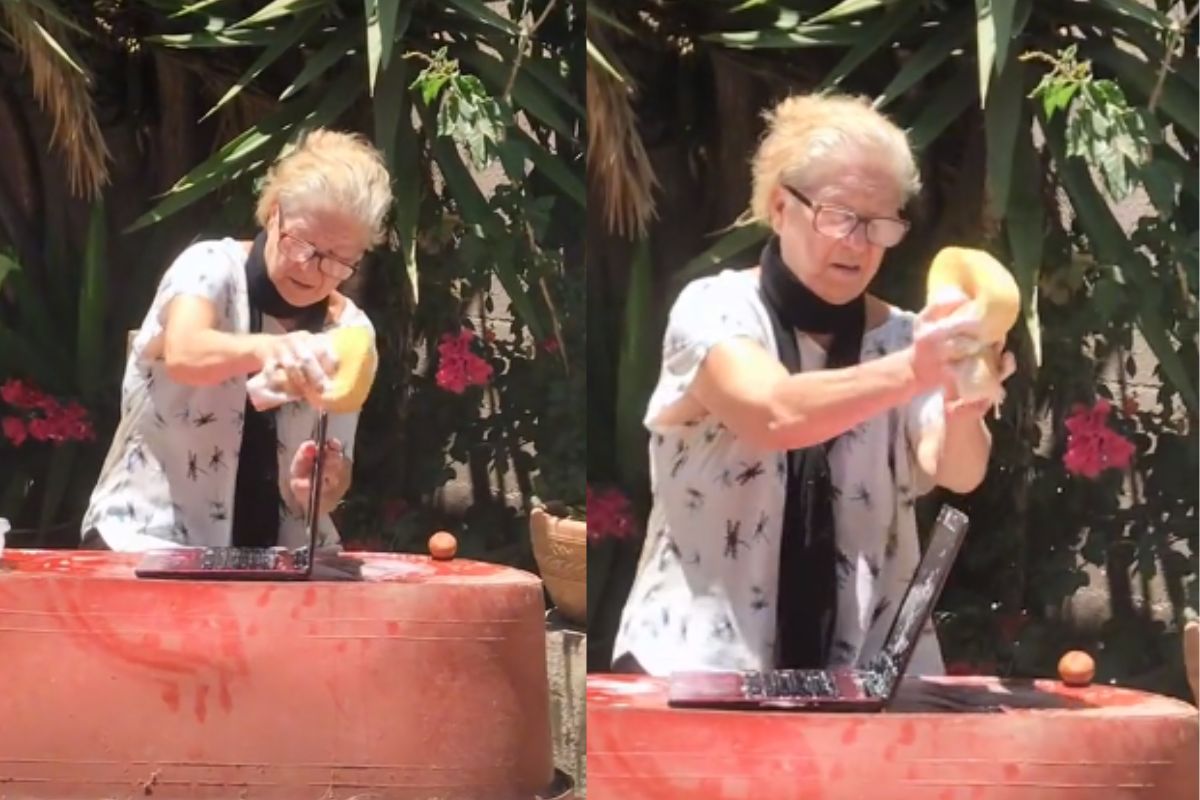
(212,256)
(894,326)
(728,291)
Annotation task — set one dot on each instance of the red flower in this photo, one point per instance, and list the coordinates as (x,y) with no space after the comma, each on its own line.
(14,430)
(458,367)
(608,515)
(1092,446)
(550,345)
(18,394)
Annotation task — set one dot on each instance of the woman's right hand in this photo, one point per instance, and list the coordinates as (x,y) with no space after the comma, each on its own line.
(942,335)
(296,364)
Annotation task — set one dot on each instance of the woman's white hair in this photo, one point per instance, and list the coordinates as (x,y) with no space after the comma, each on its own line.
(807,135)
(330,170)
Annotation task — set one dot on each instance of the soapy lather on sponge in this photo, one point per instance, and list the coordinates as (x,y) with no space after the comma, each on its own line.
(993,299)
(351,354)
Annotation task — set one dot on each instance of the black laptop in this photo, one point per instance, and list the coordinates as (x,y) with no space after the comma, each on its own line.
(844,688)
(259,564)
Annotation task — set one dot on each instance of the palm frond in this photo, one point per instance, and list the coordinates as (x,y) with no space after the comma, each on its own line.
(616,158)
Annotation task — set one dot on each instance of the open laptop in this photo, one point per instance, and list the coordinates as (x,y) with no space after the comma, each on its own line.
(843,688)
(253,563)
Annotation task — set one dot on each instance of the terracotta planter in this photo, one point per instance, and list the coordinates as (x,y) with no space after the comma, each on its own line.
(560,547)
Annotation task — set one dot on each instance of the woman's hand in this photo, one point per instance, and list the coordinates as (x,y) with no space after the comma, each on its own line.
(296,364)
(941,336)
(1005,364)
(335,476)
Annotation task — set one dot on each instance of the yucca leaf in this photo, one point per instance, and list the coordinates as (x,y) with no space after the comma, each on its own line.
(49,39)
(933,54)
(846,8)
(1001,117)
(875,36)
(276,9)
(941,108)
(476,10)
(634,369)
(58,477)
(1140,11)
(595,54)
(284,41)
(90,347)
(1024,221)
(341,45)
(732,243)
(203,40)
(985,45)
(194,7)
(554,167)
(799,37)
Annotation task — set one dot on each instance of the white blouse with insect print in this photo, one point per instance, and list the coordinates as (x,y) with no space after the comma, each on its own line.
(705,591)
(171,470)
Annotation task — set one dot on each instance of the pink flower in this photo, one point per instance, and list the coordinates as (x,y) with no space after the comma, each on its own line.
(550,345)
(609,515)
(1092,446)
(41,429)
(458,367)
(19,394)
(14,430)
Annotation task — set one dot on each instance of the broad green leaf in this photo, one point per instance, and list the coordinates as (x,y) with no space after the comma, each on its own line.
(340,46)
(801,36)
(478,11)
(389,106)
(733,243)
(1024,223)
(476,211)
(875,36)
(933,54)
(526,92)
(1111,246)
(556,170)
(90,349)
(394,17)
(1001,117)
(284,41)
(1177,102)
(1160,177)
(276,9)
(943,107)
(1004,16)
(846,8)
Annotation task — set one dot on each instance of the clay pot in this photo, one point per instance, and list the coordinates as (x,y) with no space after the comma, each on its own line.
(1191,656)
(560,548)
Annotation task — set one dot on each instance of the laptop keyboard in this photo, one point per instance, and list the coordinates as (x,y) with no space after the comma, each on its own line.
(781,684)
(244,558)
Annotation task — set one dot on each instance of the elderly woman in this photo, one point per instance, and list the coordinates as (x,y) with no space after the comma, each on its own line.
(193,461)
(797,418)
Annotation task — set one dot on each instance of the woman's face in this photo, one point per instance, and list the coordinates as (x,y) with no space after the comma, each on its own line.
(833,232)
(310,252)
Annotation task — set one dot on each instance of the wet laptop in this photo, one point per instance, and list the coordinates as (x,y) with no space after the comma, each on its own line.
(867,688)
(254,563)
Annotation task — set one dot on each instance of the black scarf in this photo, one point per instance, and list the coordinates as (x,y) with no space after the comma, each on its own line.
(806,604)
(257,503)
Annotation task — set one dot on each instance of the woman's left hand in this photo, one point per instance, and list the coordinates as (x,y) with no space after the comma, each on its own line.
(963,409)
(335,477)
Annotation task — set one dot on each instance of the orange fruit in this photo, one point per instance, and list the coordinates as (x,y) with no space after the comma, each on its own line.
(1076,668)
(443,546)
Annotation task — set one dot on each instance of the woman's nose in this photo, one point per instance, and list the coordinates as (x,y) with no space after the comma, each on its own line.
(857,238)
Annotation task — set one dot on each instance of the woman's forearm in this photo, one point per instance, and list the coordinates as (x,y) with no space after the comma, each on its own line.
(813,407)
(207,357)
(962,459)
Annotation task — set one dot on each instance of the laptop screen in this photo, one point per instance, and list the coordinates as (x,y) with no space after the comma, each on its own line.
(922,593)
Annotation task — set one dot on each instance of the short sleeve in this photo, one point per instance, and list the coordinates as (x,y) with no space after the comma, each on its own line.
(203,270)
(708,312)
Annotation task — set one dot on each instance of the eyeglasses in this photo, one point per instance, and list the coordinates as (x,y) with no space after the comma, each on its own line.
(837,222)
(296,249)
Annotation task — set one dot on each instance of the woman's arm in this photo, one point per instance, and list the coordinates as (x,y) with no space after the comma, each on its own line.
(196,354)
(751,392)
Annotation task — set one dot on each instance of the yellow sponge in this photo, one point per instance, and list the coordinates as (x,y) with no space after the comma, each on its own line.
(357,362)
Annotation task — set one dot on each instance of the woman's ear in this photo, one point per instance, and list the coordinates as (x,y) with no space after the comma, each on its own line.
(776,207)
